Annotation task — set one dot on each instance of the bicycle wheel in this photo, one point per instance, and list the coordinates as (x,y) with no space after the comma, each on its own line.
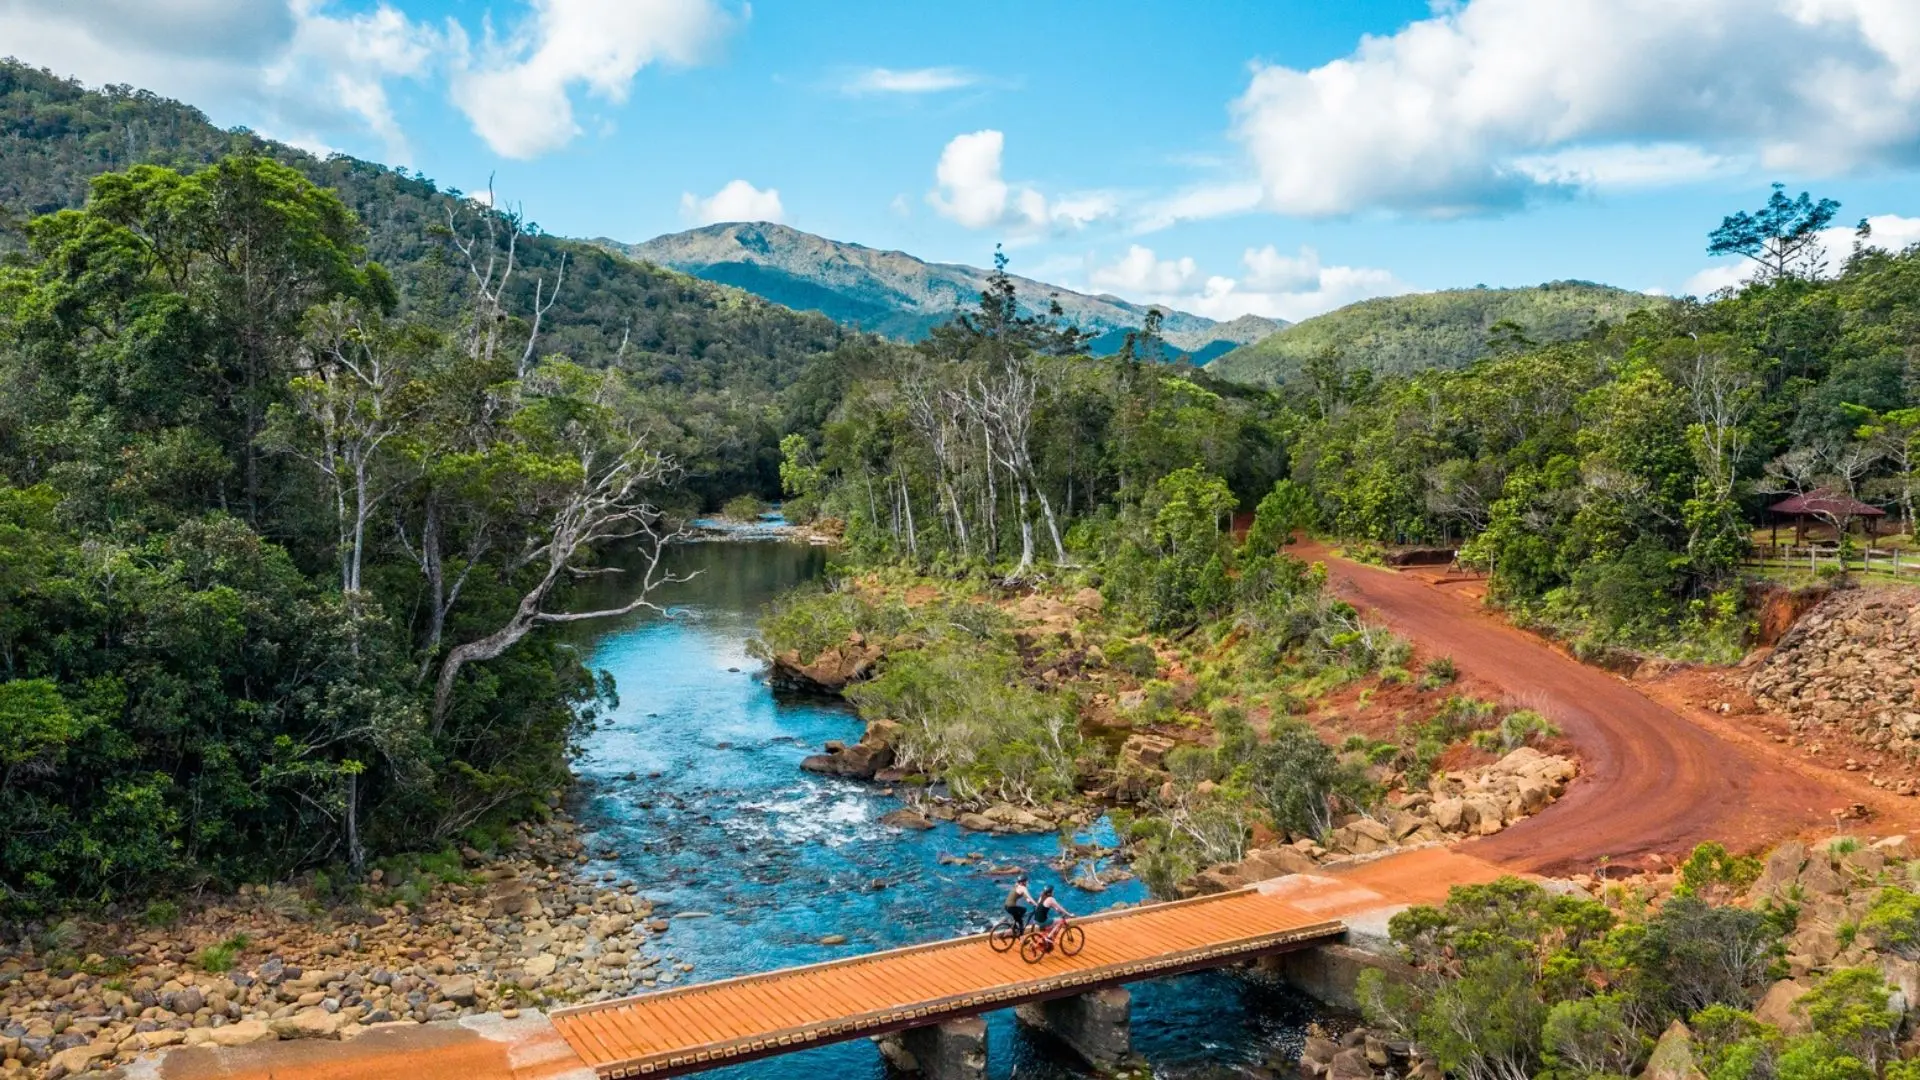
(1003,936)
(1072,940)
(1032,948)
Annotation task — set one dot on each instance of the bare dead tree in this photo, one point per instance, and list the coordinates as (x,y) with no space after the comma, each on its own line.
(1834,469)
(348,392)
(491,269)
(1005,404)
(607,506)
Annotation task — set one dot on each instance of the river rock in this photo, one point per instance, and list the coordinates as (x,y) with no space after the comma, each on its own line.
(906,817)
(861,761)
(314,1023)
(244,1033)
(540,966)
(459,990)
(79,1059)
(831,672)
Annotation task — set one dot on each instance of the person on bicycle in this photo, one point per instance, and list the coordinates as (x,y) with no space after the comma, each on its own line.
(1018,900)
(1044,915)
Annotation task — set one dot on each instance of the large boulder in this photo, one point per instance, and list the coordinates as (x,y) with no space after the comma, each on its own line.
(244,1033)
(314,1023)
(1779,1007)
(1781,870)
(1673,1056)
(861,761)
(836,668)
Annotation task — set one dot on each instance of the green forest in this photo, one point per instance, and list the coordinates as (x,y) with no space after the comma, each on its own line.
(299,461)
(1400,335)
(1609,485)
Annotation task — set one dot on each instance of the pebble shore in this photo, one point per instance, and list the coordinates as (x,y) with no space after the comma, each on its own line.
(530,928)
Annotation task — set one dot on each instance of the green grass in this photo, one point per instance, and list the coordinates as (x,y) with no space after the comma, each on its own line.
(219,959)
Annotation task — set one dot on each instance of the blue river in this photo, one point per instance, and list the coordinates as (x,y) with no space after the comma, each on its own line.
(694,780)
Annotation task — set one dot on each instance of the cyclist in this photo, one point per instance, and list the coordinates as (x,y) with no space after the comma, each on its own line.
(1018,900)
(1043,917)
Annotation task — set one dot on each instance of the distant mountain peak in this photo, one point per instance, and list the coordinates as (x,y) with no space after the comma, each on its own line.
(898,295)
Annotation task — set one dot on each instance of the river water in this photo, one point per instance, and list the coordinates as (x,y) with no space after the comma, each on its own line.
(694,780)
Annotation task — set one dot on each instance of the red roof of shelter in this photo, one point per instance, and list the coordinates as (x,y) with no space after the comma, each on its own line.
(1825,502)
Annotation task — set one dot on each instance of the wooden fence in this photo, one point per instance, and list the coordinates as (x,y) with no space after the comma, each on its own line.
(1812,557)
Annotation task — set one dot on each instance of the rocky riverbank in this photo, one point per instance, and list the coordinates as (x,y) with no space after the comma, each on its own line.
(1455,806)
(528,928)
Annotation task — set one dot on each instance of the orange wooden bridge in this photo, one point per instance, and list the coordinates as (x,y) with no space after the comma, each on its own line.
(707,1025)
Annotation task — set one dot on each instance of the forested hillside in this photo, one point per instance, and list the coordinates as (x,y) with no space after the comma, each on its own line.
(1398,335)
(1609,484)
(724,352)
(299,460)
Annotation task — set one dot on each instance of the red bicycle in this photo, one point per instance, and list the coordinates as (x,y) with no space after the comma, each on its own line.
(1063,935)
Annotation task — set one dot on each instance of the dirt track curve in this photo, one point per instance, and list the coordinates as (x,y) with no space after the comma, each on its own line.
(1652,779)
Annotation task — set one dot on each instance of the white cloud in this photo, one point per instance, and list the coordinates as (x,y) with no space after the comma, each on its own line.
(1139,272)
(1888,232)
(738,201)
(1270,270)
(1197,204)
(1491,102)
(930,80)
(293,70)
(1291,287)
(971,191)
(517,92)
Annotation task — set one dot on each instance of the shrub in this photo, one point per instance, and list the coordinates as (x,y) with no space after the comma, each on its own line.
(161,914)
(219,959)
(1439,672)
(965,715)
(1516,729)
(1893,923)
(1304,785)
(1710,866)
(743,508)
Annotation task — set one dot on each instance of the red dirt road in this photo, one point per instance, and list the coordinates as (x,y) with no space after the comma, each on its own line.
(1652,779)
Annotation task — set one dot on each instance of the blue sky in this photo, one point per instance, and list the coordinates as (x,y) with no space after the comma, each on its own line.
(1279,158)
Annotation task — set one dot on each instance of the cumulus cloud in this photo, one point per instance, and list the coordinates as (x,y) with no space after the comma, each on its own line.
(1886,232)
(1490,103)
(1275,285)
(1138,271)
(738,201)
(296,70)
(929,80)
(969,189)
(516,89)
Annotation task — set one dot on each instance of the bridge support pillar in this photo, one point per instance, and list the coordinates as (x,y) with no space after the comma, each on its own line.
(1098,1025)
(953,1050)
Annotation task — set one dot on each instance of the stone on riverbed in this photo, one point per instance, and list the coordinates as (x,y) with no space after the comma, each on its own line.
(906,817)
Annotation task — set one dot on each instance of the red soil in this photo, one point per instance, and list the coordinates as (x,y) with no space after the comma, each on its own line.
(1655,779)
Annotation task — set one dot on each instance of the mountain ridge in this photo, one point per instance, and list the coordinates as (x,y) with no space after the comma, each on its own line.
(898,295)
(1448,328)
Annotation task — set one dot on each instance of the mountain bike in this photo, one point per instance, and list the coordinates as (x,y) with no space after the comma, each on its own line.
(1005,935)
(1065,936)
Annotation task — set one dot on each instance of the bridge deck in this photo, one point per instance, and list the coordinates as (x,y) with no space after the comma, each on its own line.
(697,1027)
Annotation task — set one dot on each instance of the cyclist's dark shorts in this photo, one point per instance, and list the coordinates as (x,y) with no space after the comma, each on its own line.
(1018,913)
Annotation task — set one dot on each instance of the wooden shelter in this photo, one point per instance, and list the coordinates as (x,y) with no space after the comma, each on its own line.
(1822,506)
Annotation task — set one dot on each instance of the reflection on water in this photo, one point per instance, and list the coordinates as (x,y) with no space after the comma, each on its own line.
(694,779)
